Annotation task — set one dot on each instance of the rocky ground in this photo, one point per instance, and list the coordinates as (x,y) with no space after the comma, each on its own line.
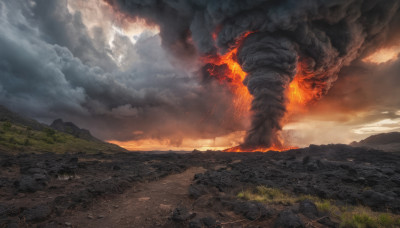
(195,189)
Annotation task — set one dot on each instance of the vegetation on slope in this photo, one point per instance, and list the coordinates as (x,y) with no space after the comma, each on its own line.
(20,138)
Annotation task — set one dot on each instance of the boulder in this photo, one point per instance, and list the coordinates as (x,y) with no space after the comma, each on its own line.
(181,214)
(38,213)
(29,183)
(252,210)
(288,219)
(209,222)
(198,190)
(309,209)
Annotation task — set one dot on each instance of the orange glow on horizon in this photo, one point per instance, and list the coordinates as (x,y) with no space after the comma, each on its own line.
(259,149)
(185,144)
(226,70)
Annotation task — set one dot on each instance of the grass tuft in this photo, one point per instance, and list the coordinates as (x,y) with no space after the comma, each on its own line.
(362,217)
(16,138)
(347,216)
(267,195)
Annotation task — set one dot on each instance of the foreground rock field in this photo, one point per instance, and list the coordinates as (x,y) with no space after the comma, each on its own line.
(297,188)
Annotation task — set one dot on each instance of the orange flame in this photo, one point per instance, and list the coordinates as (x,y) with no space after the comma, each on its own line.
(301,91)
(233,76)
(259,149)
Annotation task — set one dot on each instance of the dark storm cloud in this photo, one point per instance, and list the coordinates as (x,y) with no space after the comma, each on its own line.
(51,67)
(365,87)
(320,36)
(59,27)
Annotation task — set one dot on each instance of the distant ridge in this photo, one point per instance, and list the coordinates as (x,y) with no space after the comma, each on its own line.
(385,141)
(22,134)
(13,117)
(382,139)
(71,128)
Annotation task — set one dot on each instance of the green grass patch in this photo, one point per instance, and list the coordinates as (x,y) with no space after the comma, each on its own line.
(347,216)
(16,138)
(363,217)
(267,195)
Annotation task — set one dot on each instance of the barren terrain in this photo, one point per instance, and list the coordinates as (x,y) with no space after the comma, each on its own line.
(318,186)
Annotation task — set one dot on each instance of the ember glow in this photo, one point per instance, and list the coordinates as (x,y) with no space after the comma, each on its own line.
(183,144)
(259,149)
(227,70)
(302,90)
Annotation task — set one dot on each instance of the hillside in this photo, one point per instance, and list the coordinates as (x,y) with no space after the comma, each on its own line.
(385,141)
(72,129)
(6,114)
(20,134)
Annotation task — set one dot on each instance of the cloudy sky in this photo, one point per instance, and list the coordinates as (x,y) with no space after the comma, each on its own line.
(81,61)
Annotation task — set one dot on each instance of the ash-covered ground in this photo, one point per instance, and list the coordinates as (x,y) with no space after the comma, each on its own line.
(210,189)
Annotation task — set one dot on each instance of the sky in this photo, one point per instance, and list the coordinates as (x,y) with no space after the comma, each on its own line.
(116,75)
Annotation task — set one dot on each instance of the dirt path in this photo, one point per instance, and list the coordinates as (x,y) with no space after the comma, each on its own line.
(145,205)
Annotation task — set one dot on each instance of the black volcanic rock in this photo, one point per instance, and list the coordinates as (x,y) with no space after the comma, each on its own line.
(181,214)
(71,128)
(209,222)
(327,222)
(332,171)
(38,213)
(196,191)
(252,210)
(288,219)
(377,200)
(309,209)
(73,182)
(31,183)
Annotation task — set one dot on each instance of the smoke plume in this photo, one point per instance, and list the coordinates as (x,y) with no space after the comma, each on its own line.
(311,39)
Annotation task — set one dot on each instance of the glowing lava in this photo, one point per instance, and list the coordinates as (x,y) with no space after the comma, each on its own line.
(258,149)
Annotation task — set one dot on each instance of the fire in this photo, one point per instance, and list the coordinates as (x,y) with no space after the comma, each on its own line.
(299,93)
(302,90)
(226,69)
(296,93)
(258,149)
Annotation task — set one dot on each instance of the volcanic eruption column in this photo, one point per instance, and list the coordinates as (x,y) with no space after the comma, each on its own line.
(310,40)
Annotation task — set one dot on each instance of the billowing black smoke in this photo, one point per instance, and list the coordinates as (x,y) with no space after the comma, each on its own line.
(322,35)
(271,64)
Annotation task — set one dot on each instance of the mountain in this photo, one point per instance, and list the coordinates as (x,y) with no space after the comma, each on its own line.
(386,141)
(21,134)
(6,114)
(71,128)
